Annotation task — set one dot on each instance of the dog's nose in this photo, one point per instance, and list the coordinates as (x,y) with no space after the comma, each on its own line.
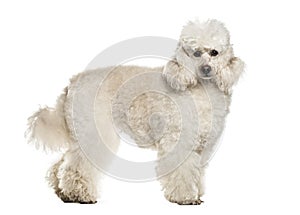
(206,69)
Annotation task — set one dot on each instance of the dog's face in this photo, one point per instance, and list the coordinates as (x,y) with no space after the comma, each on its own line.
(203,59)
(204,52)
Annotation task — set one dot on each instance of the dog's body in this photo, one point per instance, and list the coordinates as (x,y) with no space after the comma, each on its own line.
(152,119)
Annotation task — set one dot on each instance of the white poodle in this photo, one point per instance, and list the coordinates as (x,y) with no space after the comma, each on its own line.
(183,120)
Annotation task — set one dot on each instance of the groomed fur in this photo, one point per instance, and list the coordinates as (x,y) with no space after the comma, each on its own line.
(47,127)
(151,118)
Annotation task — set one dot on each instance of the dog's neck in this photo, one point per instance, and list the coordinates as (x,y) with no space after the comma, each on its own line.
(212,82)
(216,94)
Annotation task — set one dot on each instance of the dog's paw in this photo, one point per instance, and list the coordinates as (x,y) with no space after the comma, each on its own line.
(67,200)
(80,202)
(190,202)
(74,199)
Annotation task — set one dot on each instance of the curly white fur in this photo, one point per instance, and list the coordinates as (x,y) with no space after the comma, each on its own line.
(74,179)
(47,127)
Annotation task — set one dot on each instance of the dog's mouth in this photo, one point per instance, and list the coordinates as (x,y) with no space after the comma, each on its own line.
(205,77)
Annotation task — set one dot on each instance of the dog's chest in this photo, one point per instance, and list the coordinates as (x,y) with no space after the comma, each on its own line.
(212,108)
(197,114)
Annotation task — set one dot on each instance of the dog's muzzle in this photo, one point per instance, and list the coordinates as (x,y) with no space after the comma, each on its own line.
(205,70)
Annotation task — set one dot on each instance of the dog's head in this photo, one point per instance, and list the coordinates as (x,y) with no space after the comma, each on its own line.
(204,52)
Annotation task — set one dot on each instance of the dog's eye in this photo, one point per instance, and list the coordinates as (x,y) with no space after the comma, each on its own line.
(214,52)
(197,53)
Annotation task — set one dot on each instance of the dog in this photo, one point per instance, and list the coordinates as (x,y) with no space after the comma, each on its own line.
(183,122)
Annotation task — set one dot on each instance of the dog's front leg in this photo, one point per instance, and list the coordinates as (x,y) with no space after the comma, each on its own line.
(184,185)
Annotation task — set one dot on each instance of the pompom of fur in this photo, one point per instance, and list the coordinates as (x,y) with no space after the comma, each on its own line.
(177,77)
(47,128)
(229,75)
(209,32)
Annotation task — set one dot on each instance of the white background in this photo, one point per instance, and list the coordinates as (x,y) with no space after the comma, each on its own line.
(255,171)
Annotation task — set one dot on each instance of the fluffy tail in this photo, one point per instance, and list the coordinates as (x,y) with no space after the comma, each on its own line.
(47,127)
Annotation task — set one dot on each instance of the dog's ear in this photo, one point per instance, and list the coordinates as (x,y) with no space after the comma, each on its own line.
(229,75)
(177,76)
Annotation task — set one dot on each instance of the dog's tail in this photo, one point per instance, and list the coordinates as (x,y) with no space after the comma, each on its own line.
(47,128)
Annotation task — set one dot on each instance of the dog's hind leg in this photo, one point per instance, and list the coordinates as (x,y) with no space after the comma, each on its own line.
(52,176)
(74,178)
